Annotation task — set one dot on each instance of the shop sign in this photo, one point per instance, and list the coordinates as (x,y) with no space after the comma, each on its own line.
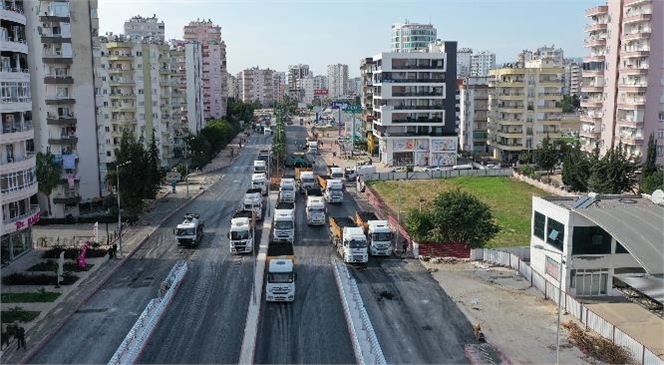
(27,222)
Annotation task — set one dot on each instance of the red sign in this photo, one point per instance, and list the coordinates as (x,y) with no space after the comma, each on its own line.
(25,223)
(320,92)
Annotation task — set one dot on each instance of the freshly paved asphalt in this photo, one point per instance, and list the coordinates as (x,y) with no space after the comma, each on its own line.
(312,329)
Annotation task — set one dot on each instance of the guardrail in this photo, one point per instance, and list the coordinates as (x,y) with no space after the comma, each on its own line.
(133,343)
(367,351)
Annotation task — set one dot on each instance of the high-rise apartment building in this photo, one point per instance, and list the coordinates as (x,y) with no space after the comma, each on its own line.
(60,36)
(464,58)
(623,77)
(320,82)
(366,100)
(18,178)
(337,78)
(354,87)
(187,98)
(282,81)
(139,27)
(295,73)
(474,105)
(233,87)
(408,37)
(306,87)
(257,85)
(481,63)
(215,89)
(414,102)
(523,107)
(554,56)
(572,78)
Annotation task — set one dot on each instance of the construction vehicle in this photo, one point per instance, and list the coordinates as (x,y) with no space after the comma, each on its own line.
(287,190)
(335,172)
(378,232)
(284,222)
(253,202)
(315,210)
(242,232)
(349,240)
(280,283)
(312,147)
(258,181)
(190,231)
(305,179)
(333,190)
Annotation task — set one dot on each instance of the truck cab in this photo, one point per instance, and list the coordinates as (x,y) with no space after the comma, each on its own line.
(287,190)
(336,172)
(284,223)
(260,167)
(253,202)
(313,147)
(333,191)
(241,234)
(315,210)
(258,181)
(190,231)
(380,238)
(307,180)
(349,240)
(280,283)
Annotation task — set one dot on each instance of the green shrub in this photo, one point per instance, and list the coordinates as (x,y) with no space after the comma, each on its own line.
(17,314)
(53,266)
(40,279)
(72,253)
(40,297)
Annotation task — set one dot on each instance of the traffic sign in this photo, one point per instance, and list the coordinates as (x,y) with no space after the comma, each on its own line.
(338,105)
(353,108)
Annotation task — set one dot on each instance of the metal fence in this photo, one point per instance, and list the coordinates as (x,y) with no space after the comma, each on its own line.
(443,174)
(506,257)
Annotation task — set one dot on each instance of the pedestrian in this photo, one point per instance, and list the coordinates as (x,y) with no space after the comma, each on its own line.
(405,246)
(334,154)
(20,337)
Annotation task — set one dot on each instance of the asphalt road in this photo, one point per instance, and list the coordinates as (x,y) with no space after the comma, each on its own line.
(312,329)
(204,324)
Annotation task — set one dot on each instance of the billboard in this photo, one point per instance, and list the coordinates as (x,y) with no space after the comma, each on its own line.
(320,92)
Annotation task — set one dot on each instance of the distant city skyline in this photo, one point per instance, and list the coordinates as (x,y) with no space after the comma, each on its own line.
(277,34)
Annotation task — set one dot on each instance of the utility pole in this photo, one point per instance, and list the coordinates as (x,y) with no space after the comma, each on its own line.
(117,175)
(398,215)
(186,168)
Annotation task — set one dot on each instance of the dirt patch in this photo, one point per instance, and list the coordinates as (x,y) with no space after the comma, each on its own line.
(515,318)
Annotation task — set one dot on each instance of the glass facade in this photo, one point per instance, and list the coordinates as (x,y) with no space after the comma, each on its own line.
(15,244)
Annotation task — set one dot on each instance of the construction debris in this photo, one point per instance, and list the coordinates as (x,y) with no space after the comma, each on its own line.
(597,347)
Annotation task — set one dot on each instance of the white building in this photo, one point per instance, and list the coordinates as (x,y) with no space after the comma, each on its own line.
(409,37)
(63,97)
(481,63)
(414,101)
(354,87)
(464,60)
(320,82)
(258,85)
(598,239)
(572,78)
(139,27)
(18,179)
(281,79)
(337,78)
(306,87)
(474,105)
(295,73)
(554,56)
(233,89)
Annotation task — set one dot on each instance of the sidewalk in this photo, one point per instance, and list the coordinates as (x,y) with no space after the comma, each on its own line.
(55,314)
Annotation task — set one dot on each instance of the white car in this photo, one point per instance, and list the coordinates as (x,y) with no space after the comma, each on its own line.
(432,168)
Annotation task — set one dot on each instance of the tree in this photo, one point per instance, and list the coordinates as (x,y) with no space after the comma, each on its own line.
(570,103)
(455,216)
(135,184)
(153,171)
(652,174)
(546,155)
(48,175)
(576,169)
(613,173)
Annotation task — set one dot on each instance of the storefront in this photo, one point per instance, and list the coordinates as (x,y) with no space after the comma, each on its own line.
(17,238)
(429,151)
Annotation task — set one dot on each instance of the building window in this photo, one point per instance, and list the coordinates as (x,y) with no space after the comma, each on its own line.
(661,116)
(620,248)
(538,225)
(589,282)
(590,241)
(660,133)
(555,233)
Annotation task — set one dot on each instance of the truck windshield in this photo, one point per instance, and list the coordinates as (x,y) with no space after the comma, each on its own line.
(317,210)
(307,180)
(185,232)
(283,225)
(382,236)
(337,176)
(257,184)
(259,169)
(357,244)
(282,277)
(287,188)
(248,207)
(336,188)
(239,235)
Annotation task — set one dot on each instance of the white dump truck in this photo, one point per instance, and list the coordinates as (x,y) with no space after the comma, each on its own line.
(287,190)
(259,181)
(242,232)
(333,190)
(253,202)
(315,210)
(260,167)
(349,240)
(305,179)
(313,147)
(283,226)
(280,283)
(190,231)
(378,232)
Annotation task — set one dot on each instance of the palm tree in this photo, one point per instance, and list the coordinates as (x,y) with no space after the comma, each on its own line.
(48,175)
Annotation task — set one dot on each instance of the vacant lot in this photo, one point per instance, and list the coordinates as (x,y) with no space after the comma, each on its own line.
(511,201)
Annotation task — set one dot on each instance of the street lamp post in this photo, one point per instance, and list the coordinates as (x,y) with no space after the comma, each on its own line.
(398,215)
(560,296)
(117,175)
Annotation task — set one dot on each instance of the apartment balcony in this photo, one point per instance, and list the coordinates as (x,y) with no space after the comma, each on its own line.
(412,81)
(60,120)
(594,42)
(49,16)
(124,57)
(631,70)
(635,53)
(592,73)
(508,83)
(640,34)
(597,10)
(15,132)
(551,96)
(59,100)
(591,103)
(54,39)
(418,67)
(631,139)
(59,58)
(644,16)
(64,139)
(590,133)
(550,83)
(629,122)
(69,197)
(506,146)
(591,117)
(121,82)
(65,80)
(123,96)
(117,71)
(548,109)
(17,163)
(510,96)
(595,27)
(430,94)
(506,122)
(433,108)
(509,109)
(509,134)
(597,57)
(639,86)
(592,88)
(632,103)
(13,14)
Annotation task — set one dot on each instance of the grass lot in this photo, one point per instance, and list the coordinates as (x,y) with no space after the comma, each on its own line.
(511,201)
(20,315)
(42,297)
